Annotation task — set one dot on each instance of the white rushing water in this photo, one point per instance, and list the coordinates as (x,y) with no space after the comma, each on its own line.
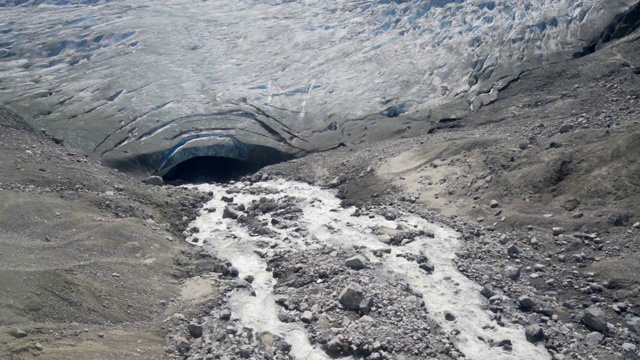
(444,290)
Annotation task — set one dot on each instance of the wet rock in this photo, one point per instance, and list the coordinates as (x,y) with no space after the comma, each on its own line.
(351,296)
(195,330)
(558,231)
(593,339)
(594,319)
(534,333)
(233,272)
(449,316)
(357,262)
(229,213)
(154,180)
(506,344)
(249,279)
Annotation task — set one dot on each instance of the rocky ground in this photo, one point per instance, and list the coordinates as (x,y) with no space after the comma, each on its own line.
(520,223)
(90,259)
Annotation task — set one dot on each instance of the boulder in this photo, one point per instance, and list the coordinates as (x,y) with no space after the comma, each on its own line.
(487,291)
(307,317)
(366,305)
(593,339)
(633,324)
(512,272)
(18,334)
(534,333)
(195,330)
(351,296)
(594,319)
(526,303)
(357,262)
(154,180)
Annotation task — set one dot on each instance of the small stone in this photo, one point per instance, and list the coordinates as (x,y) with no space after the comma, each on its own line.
(249,279)
(195,330)
(534,333)
(513,251)
(628,347)
(335,182)
(494,204)
(154,180)
(182,344)
(351,296)
(357,262)
(558,231)
(39,347)
(594,319)
(390,216)
(449,316)
(577,215)
(225,315)
(233,272)
(101,335)
(307,317)
(637,225)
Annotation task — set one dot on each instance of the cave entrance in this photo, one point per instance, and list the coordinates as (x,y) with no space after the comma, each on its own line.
(208,169)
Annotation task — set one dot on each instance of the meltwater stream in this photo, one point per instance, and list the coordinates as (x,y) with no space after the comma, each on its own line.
(446,289)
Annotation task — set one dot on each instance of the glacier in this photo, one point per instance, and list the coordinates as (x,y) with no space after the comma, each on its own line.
(145,85)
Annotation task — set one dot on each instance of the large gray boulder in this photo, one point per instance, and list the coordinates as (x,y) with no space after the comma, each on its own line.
(534,333)
(351,296)
(633,324)
(595,319)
